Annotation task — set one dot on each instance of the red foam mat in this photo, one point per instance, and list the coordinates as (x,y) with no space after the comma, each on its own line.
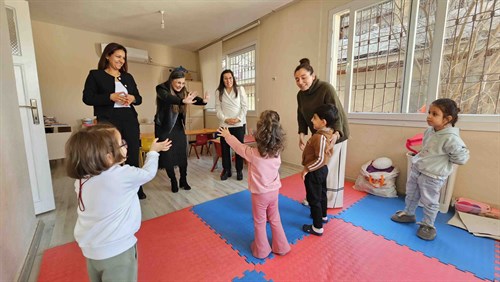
(63,263)
(174,247)
(293,187)
(348,253)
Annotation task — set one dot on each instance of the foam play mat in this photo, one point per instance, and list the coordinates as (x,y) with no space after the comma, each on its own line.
(211,242)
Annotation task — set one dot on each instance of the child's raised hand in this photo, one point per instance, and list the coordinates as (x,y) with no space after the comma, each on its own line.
(224,132)
(160,146)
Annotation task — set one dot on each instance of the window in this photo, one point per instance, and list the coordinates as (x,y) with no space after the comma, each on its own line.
(391,57)
(242,63)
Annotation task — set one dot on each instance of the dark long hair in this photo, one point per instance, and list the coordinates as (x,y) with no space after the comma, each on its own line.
(175,74)
(108,51)
(222,86)
(270,136)
(305,64)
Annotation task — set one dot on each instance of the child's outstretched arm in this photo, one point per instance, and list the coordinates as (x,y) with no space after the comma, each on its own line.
(160,146)
(243,150)
(150,167)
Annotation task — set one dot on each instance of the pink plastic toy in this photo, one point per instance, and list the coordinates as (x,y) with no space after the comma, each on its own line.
(414,141)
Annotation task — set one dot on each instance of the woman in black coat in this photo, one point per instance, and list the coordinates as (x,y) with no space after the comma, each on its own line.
(171,100)
(113,93)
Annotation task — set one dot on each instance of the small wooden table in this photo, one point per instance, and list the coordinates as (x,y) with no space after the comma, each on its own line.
(200,131)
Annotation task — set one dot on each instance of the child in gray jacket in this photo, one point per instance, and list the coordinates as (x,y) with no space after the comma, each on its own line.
(442,147)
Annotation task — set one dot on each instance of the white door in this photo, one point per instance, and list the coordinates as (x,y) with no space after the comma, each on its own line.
(30,106)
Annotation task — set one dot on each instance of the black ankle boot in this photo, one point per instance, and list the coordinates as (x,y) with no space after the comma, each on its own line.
(184,184)
(173,184)
(239,175)
(225,174)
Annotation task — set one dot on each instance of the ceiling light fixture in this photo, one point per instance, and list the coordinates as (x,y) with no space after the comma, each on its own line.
(162,19)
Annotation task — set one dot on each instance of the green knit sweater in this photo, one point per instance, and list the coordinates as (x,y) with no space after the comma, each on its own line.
(320,93)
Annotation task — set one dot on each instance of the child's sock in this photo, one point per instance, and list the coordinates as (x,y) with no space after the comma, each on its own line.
(318,230)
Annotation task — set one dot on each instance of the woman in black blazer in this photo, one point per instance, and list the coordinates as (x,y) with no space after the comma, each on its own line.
(113,93)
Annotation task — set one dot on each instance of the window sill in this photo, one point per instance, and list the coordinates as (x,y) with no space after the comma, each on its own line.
(487,123)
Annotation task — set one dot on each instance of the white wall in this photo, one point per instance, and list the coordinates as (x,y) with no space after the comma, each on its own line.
(17,214)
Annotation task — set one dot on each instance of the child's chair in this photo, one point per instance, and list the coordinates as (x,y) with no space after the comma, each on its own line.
(146,140)
(218,151)
(201,141)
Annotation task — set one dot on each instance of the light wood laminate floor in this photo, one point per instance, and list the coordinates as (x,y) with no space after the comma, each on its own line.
(59,224)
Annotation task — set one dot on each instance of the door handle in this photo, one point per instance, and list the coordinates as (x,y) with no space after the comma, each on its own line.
(34,110)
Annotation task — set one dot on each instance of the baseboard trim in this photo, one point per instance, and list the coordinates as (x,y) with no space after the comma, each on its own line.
(297,166)
(30,257)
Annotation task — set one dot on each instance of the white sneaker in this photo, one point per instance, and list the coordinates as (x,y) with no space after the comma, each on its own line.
(305,202)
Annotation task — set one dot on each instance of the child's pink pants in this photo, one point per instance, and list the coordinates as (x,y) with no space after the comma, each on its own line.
(265,208)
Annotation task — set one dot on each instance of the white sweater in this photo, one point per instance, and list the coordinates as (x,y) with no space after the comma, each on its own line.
(232,107)
(112,214)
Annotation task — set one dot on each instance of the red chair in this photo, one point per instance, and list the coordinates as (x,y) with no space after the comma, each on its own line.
(218,151)
(201,141)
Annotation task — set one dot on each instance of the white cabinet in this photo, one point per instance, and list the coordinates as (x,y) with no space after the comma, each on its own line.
(56,136)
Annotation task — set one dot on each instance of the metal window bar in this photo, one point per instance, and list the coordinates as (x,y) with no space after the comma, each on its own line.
(472,77)
(380,44)
(242,64)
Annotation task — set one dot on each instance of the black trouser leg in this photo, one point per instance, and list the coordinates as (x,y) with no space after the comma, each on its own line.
(127,124)
(315,182)
(239,133)
(226,155)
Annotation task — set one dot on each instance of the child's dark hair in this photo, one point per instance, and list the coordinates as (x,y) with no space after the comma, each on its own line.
(327,112)
(449,108)
(270,136)
(87,151)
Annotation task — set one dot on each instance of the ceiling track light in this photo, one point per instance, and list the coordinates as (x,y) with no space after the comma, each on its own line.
(162,19)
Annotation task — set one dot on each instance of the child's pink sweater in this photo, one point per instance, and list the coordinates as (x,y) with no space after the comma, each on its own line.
(263,173)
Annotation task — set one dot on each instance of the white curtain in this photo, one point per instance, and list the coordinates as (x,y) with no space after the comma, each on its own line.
(211,67)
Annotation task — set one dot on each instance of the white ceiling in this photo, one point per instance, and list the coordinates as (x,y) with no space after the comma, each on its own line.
(189,24)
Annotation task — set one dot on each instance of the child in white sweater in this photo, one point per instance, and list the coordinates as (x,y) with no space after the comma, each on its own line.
(109,213)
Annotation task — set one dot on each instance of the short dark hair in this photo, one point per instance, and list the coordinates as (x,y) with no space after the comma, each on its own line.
(87,151)
(449,108)
(327,112)
(108,51)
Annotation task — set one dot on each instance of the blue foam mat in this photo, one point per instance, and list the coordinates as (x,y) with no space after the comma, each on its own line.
(452,245)
(251,276)
(231,218)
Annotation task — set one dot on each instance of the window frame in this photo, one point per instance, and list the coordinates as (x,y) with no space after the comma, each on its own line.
(473,122)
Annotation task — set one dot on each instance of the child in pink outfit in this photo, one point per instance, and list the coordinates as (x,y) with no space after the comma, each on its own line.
(264,182)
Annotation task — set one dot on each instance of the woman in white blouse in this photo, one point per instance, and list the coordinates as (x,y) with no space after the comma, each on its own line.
(231,107)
